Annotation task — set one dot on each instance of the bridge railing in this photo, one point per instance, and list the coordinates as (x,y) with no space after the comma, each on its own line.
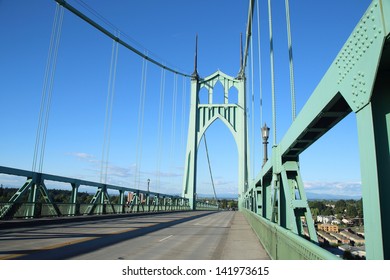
(25,203)
(202,205)
(282,244)
(42,210)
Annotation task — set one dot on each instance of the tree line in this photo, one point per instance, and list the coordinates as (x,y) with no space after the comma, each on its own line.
(340,208)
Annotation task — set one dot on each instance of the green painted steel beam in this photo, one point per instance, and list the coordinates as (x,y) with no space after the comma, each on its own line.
(357,81)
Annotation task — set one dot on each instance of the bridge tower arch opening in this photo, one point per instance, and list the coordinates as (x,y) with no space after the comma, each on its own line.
(202,115)
(218,148)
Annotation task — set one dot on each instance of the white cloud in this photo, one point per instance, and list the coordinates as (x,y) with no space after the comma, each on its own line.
(83,156)
(352,188)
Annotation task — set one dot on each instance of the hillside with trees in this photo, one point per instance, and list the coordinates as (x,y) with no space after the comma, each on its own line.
(339,208)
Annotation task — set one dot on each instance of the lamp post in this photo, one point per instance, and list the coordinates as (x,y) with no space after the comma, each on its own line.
(265,135)
(148,185)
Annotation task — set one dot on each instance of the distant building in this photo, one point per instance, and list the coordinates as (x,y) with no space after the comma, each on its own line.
(325,219)
(341,238)
(336,222)
(330,205)
(327,237)
(353,237)
(328,227)
(347,222)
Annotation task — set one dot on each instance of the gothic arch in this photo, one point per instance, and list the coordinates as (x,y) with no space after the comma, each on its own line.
(202,115)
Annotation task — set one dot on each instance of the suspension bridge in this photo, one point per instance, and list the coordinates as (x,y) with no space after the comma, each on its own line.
(271,198)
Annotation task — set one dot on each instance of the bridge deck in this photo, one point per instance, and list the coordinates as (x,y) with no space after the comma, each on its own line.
(181,235)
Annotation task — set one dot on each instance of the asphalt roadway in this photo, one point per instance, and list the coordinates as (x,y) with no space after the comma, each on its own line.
(199,235)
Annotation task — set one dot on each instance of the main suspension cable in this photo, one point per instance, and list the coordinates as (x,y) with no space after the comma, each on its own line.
(120,41)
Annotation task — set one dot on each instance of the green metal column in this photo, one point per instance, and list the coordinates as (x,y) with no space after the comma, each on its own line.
(242,139)
(189,180)
(122,201)
(373,123)
(73,200)
(30,211)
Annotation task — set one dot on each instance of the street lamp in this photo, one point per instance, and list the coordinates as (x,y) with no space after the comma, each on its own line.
(148,185)
(265,135)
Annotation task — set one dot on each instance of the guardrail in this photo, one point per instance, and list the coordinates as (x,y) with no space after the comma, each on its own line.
(282,244)
(43,210)
(25,203)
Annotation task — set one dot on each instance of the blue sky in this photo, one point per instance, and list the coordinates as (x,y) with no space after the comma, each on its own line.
(166,31)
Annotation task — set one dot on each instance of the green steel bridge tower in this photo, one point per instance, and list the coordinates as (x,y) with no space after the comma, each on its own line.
(275,202)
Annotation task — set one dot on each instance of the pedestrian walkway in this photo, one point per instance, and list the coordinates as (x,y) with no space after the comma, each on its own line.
(242,242)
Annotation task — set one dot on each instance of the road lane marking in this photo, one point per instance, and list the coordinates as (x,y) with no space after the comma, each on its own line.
(161,240)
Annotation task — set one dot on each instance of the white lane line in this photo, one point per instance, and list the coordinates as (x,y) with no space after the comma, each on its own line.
(161,240)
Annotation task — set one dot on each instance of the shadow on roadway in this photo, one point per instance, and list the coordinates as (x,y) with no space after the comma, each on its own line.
(100,241)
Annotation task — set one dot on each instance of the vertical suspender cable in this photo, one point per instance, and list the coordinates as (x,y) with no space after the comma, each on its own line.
(50,89)
(47,90)
(272,73)
(173,128)
(260,69)
(290,53)
(209,164)
(183,113)
(160,127)
(141,113)
(108,116)
(253,111)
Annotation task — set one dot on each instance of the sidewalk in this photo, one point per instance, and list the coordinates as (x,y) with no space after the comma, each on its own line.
(242,243)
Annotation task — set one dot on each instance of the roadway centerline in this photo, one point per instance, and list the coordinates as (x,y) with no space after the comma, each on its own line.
(161,240)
